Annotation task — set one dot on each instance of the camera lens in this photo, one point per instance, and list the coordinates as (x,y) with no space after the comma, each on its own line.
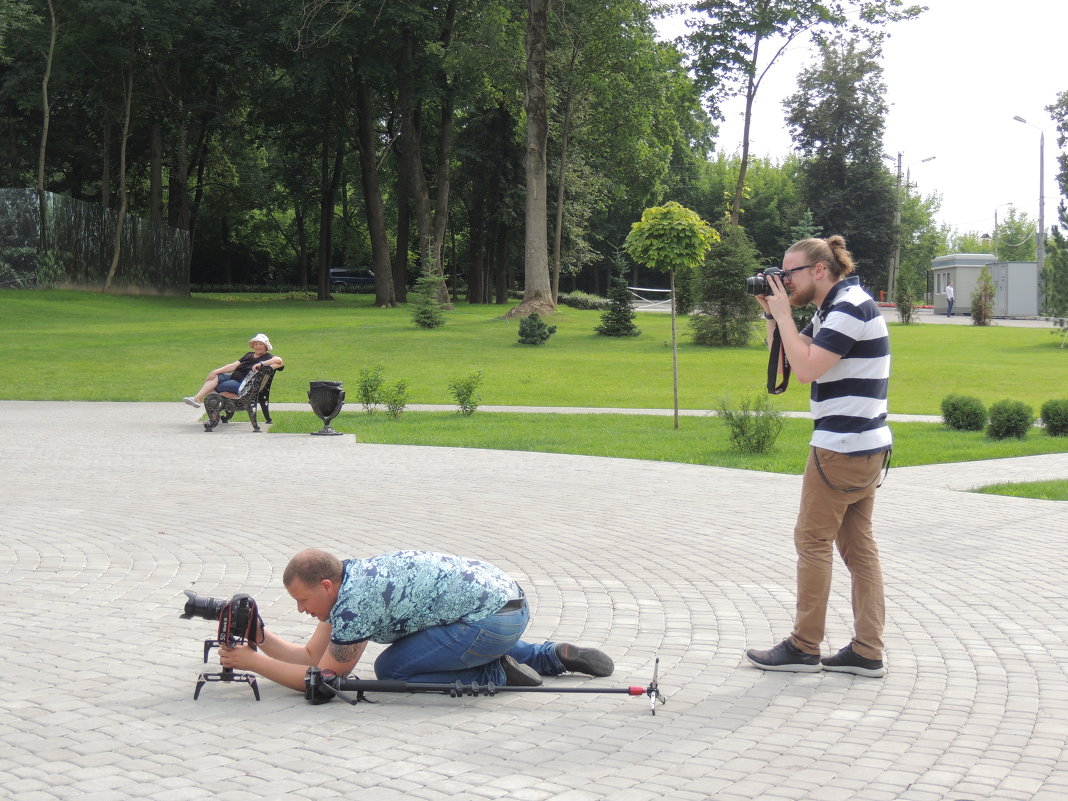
(757,285)
(202,606)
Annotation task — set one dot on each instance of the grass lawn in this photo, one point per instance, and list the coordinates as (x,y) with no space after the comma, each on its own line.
(158,349)
(699,440)
(1043,490)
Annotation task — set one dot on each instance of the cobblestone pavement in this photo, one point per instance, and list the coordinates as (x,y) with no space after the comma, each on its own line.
(112,510)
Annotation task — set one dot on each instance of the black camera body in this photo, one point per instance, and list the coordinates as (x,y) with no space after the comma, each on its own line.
(758,284)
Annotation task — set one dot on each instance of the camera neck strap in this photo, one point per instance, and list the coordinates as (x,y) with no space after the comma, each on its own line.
(774,354)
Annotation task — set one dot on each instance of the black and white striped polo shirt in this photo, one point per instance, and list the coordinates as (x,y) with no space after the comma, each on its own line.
(848,402)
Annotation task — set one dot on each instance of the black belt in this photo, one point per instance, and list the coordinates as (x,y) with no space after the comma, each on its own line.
(515,603)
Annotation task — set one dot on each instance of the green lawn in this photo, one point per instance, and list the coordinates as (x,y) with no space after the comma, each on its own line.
(1043,490)
(84,346)
(699,440)
(159,349)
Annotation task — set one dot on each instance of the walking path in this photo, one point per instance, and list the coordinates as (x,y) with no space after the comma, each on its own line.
(111,510)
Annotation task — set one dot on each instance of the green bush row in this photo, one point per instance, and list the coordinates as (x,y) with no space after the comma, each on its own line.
(1007,418)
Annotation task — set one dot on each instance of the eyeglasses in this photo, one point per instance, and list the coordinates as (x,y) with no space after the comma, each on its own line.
(787,274)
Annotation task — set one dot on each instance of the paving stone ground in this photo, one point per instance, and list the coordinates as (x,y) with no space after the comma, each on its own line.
(110,511)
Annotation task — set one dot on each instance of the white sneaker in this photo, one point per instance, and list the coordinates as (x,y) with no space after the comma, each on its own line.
(192,402)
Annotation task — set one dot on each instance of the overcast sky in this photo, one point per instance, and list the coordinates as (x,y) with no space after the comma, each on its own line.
(955,79)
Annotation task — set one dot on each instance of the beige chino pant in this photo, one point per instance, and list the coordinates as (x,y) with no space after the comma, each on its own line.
(832,515)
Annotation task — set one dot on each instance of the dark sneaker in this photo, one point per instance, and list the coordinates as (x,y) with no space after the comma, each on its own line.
(784,657)
(517,675)
(846,661)
(584,660)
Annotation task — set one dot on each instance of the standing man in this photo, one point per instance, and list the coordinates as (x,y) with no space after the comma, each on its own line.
(446,618)
(845,354)
(950,294)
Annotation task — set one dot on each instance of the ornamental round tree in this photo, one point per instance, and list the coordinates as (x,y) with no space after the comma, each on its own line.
(669,238)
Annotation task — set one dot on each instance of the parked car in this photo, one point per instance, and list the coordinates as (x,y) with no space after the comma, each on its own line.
(344,279)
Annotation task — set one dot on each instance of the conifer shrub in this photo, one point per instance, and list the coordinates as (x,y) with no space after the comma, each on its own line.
(618,318)
(427,311)
(534,331)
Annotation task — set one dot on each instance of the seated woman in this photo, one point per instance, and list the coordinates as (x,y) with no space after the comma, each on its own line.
(228,378)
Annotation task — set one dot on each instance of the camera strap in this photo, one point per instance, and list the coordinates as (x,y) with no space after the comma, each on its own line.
(884,469)
(773,365)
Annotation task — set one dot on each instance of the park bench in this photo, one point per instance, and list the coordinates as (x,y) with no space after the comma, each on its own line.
(255,392)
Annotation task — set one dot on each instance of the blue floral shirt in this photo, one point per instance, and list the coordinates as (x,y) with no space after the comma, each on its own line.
(387,597)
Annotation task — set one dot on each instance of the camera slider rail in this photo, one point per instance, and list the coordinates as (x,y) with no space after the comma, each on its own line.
(321,686)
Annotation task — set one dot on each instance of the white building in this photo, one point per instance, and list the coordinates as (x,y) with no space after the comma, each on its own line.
(1015,283)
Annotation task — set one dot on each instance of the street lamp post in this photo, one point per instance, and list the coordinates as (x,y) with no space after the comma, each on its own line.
(891,283)
(1041,245)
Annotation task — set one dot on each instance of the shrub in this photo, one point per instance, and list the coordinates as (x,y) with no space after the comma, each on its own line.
(464,391)
(723,312)
(983,299)
(427,311)
(618,318)
(582,300)
(396,398)
(534,331)
(754,425)
(1055,417)
(963,413)
(1009,418)
(370,388)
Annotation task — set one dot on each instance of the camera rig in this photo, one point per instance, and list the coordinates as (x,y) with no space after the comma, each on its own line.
(239,624)
(321,686)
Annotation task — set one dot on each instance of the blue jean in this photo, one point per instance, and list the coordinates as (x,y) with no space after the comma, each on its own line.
(467,652)
(227,384)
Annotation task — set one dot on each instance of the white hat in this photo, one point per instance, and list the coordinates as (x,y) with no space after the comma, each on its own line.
(261,338)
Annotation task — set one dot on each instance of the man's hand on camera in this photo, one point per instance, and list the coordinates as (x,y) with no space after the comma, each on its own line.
(777,303)
(241,657)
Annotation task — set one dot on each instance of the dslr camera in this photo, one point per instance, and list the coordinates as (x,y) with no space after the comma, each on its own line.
(239,623)
(758,284)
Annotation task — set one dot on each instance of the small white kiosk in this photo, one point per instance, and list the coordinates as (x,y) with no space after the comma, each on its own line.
(1015,283)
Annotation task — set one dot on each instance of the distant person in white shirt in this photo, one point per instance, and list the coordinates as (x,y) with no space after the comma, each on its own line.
(949,299)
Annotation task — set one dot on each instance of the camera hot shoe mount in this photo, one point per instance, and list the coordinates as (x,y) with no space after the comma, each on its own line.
(321,686)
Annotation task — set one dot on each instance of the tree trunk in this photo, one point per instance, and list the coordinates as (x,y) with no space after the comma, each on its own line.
(155,191)
(400,260)
(500,262)
(750,97)
(537,293)
(476,266)
(105,163)
(329,178)
(178,183)
(410,146)
(372,196)
(46,112)
(432,220)
(120,219)
(558,231)
(302,244)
